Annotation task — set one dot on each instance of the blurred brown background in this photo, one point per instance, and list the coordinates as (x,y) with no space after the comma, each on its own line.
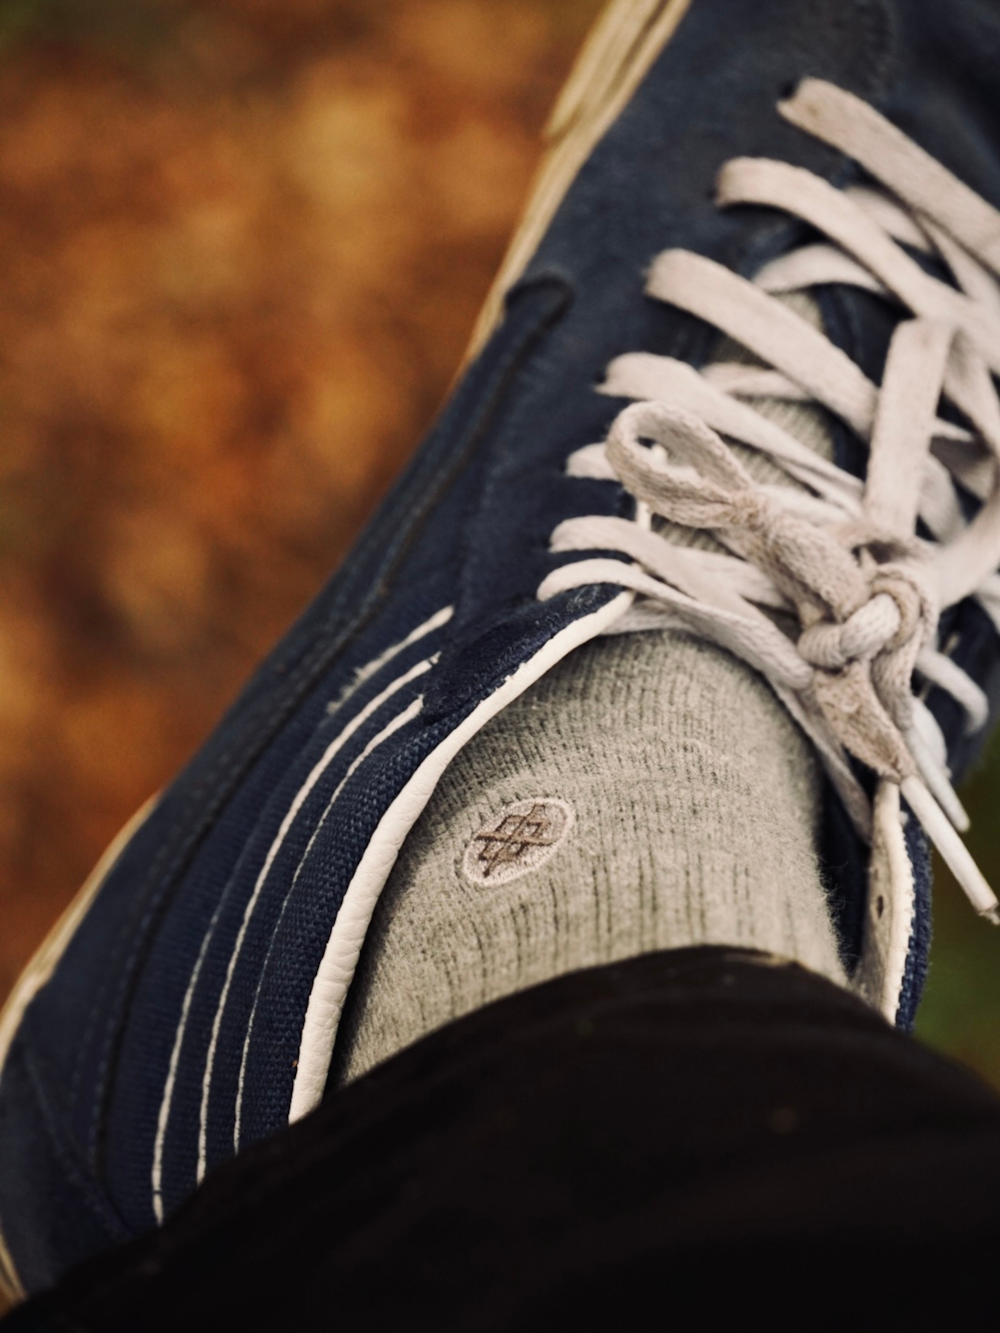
(242,245)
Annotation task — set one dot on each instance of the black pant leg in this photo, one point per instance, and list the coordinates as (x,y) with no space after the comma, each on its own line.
(683,1132)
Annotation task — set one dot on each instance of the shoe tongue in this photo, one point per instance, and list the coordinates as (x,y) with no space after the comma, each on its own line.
(807,422)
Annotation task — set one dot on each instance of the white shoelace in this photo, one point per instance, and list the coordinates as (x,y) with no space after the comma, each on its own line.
(839,555)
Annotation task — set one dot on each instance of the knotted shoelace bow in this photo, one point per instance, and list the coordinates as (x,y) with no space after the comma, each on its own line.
(837,558)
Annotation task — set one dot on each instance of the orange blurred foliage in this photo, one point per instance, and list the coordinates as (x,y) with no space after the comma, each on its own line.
(243,246)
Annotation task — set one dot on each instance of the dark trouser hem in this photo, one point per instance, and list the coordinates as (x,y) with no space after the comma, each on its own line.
(679,1133)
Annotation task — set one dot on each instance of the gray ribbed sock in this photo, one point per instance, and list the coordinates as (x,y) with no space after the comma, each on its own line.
(648,793)
(694,801)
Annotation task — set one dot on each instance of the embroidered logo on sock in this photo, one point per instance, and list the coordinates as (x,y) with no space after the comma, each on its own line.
(519,839)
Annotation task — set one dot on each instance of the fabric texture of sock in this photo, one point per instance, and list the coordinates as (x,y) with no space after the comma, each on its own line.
(649,793)
(694,800)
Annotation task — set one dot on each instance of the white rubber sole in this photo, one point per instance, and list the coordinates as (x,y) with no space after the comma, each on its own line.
(617,55)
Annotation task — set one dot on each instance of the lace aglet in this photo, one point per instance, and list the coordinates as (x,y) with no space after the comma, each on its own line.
(954,851)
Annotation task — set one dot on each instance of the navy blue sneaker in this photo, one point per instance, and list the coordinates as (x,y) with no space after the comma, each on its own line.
(812,181)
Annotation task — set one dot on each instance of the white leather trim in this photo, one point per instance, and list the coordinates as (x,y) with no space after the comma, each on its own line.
(336,969)
(891,902)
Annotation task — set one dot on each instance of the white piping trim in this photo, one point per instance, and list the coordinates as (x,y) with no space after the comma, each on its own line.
(366,672)
(337,966)
(331,752)
(175,1056)
(400,720)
